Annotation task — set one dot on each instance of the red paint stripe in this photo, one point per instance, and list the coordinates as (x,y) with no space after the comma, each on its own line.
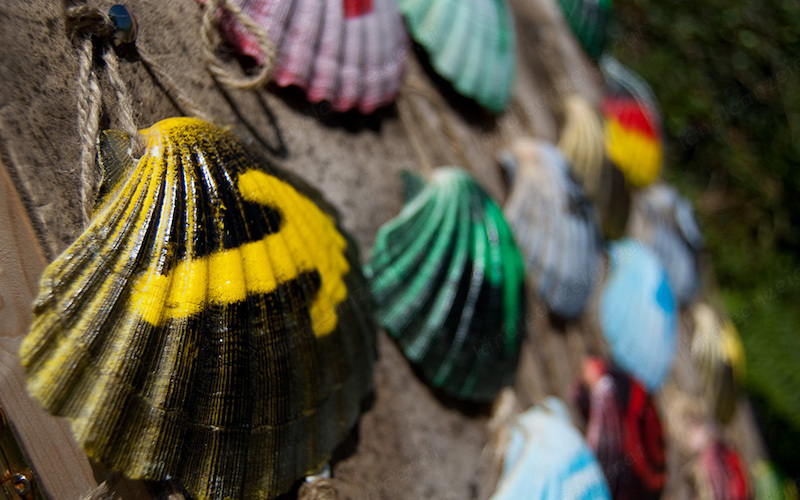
(629,114)
(356,8)
(643,430)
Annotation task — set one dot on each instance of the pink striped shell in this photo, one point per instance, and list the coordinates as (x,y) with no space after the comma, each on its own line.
(350,53)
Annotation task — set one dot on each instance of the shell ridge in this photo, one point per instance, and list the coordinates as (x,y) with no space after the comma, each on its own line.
(329,49)
(62,315)
(424,257)
(116,377)
(477,279)
(391,240)
(428,305)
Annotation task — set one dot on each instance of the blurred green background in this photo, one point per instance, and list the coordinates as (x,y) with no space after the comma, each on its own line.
(727,76)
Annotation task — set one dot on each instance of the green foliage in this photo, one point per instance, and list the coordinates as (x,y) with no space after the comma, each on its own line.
(727,76)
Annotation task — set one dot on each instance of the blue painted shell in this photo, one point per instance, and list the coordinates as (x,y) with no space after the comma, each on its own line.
(448,282)
(555,226)
(471,43)
(547,458)
(637,313)
(664,220)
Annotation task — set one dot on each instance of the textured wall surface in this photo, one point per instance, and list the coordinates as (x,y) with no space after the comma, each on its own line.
(409,444)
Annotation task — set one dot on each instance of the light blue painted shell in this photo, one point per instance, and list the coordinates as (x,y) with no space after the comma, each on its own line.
(471,43)
(547,458)
(664,220)
(555,226)
(637,313)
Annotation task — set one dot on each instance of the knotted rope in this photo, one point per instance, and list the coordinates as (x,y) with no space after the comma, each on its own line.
(209,33)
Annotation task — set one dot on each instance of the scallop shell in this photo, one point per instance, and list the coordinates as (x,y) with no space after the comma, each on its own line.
(633,124)
(771,483)
(351,53)
(664,220)
(637,313)
(201,328)
(555,226)
(547,457)
(588,20)
(719,357)
(624,430)
(581,141)
(720,474)
(448,280)
(471,43)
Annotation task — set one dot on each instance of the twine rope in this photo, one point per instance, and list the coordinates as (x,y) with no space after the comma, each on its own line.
(185,103)
(415,86)
(208,34)
(103,490)
(86,26)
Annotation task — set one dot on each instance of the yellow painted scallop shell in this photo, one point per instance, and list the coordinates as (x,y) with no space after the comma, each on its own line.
(205,327)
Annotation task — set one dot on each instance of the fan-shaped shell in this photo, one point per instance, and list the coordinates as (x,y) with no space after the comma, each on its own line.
(719,357)
(471,43)
(555,226)
(624,430)
(770,483)
(448,280)
(720,474)
(581,141)
(633,124)
(351,53)
(202,327)
(588,20)
(637,313)
(547,458)
(664,220)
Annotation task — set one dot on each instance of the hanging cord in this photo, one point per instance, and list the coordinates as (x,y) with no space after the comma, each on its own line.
(185,104)
(208,34)
(415,87)
(85,25)
(408,119)
(103,491)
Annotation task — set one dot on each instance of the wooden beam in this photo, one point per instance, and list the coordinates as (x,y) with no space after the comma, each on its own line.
(61,467)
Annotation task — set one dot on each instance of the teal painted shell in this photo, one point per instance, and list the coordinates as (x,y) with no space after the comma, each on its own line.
(547,458)
(448,280)
(588,20)
(471,43)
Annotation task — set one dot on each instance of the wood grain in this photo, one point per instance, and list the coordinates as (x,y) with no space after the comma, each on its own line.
(60,465)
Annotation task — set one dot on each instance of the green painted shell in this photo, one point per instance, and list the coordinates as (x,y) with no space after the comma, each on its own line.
(203,328)
(471,43)
(718,355)
(771,483)
(588,20)
(448,280)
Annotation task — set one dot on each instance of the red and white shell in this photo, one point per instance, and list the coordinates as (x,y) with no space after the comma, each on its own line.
(350,53)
